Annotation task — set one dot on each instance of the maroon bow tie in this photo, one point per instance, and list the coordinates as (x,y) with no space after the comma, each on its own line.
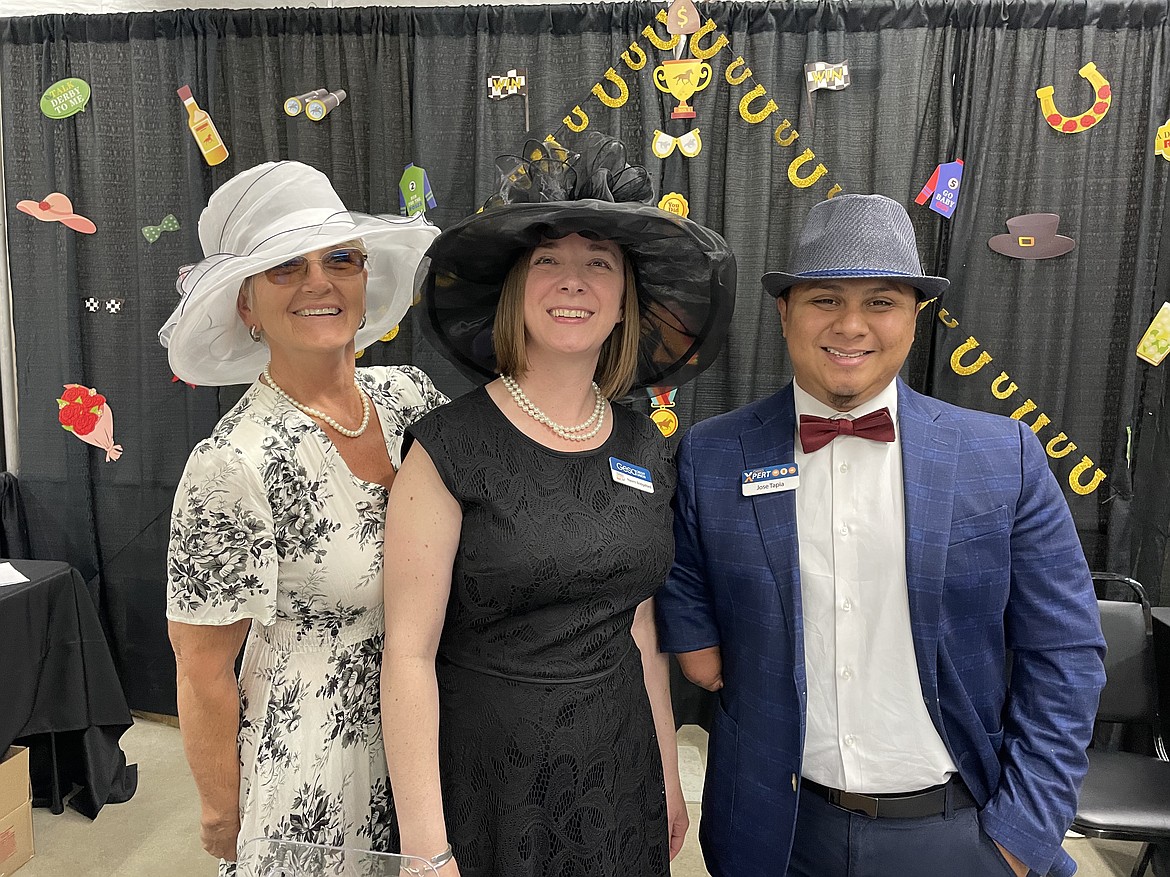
(816,432)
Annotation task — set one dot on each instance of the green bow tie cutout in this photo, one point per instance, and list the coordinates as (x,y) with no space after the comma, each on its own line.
(153,232)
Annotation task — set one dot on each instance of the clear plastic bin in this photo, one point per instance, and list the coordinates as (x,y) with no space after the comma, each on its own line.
(264,857)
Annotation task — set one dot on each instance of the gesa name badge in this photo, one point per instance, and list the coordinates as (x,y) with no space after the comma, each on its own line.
(631,475)
(770,479)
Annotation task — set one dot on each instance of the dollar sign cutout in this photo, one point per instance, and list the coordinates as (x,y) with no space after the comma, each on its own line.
(682,17)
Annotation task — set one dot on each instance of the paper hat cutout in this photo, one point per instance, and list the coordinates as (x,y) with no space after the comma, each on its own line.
(820,74)
(65,98)
(1162,141)
(153,232)
(1032,236)
(57,208)
(85,413)
(1102,98)
(682,17)
(515,81)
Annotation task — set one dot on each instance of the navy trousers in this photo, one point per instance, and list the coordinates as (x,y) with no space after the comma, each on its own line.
(831,842)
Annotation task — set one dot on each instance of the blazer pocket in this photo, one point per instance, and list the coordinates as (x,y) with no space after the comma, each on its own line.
(722,758)
(980,525)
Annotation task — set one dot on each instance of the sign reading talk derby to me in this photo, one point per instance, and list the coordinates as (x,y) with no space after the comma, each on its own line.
(65,97)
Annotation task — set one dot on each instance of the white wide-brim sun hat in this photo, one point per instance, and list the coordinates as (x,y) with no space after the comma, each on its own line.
(263,217)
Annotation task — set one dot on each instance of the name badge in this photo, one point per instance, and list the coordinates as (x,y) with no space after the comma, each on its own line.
(770,479)
(631,475)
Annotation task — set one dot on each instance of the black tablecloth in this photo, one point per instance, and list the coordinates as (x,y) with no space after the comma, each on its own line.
(60,690)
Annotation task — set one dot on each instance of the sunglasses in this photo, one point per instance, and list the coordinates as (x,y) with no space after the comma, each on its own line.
(339,263)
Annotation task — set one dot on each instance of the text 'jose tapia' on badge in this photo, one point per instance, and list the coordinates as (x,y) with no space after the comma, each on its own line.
(769,479)
(631,475)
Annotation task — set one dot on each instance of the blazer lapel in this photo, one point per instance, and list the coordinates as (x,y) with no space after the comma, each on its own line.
(929,461)
(769,444)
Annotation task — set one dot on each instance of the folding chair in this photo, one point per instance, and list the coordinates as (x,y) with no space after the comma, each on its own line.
(1126,796)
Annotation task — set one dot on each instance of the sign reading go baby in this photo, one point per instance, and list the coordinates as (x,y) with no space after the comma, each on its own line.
(755,107)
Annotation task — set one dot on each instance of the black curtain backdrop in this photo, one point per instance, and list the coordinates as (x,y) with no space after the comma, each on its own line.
(930,81)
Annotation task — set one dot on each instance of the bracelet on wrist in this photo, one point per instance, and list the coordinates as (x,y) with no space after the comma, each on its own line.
(442,858)
(434,862)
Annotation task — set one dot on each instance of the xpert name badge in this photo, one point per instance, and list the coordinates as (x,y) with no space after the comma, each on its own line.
(631,475)
(770,479)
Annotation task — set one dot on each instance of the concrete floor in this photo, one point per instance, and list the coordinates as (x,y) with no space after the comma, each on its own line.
(157,832)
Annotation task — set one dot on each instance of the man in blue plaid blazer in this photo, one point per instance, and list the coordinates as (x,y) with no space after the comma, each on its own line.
(855,563)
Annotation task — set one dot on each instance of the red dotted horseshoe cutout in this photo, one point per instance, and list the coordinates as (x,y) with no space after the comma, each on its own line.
(1103,97)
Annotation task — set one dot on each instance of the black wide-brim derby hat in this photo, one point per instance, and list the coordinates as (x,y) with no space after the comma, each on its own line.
(685,273)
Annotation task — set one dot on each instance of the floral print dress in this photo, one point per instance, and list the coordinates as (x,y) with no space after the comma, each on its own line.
(270,525)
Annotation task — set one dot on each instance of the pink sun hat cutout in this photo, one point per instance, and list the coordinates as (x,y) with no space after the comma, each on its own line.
(57,208)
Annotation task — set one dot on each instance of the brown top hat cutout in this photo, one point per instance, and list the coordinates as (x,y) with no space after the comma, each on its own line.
(1032,236)
(57,208)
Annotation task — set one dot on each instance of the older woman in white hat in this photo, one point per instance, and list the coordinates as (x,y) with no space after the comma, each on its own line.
(276,534)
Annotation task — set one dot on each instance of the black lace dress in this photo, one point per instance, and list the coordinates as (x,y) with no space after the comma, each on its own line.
(549,761)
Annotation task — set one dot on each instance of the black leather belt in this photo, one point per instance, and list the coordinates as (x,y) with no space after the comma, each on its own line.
(906,805)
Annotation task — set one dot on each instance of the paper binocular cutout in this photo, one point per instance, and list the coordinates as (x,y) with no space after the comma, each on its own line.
(315,104)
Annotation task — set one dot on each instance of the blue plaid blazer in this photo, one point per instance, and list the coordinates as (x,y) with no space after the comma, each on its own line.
(993,563)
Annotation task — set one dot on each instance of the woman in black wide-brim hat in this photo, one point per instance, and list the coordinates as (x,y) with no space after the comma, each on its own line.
(526,706)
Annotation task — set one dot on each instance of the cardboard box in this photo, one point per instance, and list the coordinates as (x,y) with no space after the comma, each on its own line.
(16,840)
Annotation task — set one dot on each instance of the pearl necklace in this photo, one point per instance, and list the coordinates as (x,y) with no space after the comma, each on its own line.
(321,415)
(577,433)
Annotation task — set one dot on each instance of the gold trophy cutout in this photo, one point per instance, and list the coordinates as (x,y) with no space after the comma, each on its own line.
(682,78)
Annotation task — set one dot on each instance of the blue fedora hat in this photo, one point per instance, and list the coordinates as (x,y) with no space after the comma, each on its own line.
(857,236)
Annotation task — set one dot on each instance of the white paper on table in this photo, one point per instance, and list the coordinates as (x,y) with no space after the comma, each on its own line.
(10,575)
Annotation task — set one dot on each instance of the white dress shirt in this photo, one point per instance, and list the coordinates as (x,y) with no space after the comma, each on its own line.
(868,730)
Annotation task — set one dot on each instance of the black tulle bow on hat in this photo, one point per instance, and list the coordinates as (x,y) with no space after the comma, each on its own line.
(684,273)
(548,172)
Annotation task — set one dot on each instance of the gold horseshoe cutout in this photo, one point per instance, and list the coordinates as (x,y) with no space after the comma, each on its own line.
(997,386)
(1079,486)
(623,90)
(783,139)
(794,166)
(628,54)
(733,75)
(745,102)
(718,45)
(582,119)
(658,42)
(984,357)
(1102,98)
